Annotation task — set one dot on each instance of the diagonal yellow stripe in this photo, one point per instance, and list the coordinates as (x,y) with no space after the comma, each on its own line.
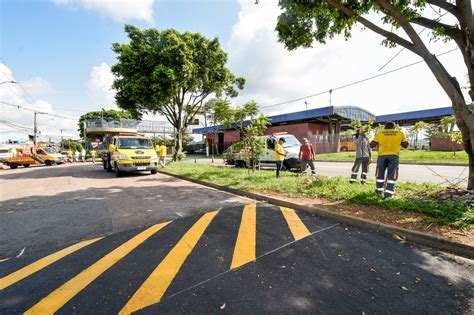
(55,300)
(244,251)
(155,286)
(42,263)
(297,227)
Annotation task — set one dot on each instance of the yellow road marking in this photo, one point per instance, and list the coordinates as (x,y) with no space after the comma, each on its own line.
(55,300)
(42,263)
(244,251)
(297,227)
(153,289)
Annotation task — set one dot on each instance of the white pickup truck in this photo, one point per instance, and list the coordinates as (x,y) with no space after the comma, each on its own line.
(268,160)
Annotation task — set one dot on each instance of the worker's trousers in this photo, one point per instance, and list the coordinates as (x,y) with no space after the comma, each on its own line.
(389,164)
(364,162)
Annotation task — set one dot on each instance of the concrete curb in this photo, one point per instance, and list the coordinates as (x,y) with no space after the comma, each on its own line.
(411,236)
(402,163)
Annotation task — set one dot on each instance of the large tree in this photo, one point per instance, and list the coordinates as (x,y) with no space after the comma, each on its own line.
(171,73)
(304,22)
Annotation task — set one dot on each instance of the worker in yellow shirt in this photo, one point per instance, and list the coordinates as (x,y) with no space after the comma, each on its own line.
(69,155)
(280,154)
(388,141)
(93,153)
(162,155)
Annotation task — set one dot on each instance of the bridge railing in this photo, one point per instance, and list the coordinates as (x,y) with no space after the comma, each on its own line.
(143,126)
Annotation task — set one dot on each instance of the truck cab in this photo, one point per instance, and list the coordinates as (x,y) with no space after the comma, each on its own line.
(131,153)
(50,155)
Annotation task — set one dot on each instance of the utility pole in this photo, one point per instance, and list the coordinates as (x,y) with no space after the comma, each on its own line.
(35,130)
(62,140)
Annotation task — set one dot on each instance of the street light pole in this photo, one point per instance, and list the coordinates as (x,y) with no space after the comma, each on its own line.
(11,81)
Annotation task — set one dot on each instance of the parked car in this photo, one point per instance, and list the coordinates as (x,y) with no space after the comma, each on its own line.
(268,160)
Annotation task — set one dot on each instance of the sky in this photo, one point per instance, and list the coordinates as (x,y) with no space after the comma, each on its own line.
(60,53)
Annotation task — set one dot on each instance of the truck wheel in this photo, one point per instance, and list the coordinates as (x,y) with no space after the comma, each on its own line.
(109,166)
(344,149)
(26,165)
(14,165)
(118,173)
(153,172)
(48,163)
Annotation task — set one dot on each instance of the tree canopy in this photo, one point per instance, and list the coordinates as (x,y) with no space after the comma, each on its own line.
(171,73)
(304,22)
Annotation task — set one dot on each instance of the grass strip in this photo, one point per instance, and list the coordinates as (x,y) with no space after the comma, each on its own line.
(411,197)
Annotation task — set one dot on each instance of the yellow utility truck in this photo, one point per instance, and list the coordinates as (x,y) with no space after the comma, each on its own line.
(43,155)
(121,147)
(131,153)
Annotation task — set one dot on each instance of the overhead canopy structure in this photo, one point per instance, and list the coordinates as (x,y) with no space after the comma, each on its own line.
(324,115)
(410,118)
(343,115)
(110,126)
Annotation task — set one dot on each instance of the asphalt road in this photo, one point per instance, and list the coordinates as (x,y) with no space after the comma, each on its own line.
(42,207)
(223,254)
(436,174)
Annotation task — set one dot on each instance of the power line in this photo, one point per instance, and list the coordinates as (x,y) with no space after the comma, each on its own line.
(28,98)
(355,82)
(13,122)
(13,125)
(36,111)
(403,48)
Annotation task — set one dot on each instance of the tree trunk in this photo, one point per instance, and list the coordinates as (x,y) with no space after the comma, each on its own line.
(465,123)
(470,180)
(178,147)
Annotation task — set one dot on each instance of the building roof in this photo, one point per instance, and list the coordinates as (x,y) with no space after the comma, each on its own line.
(414,116)
(346,113)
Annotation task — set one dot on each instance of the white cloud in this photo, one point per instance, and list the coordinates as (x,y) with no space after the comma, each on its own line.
(37,87)
(48,126)
(275,75)
(119,10)
(99,87)
(101,93)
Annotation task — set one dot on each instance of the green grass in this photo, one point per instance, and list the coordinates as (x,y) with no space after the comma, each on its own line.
(410,196)
(405,156)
